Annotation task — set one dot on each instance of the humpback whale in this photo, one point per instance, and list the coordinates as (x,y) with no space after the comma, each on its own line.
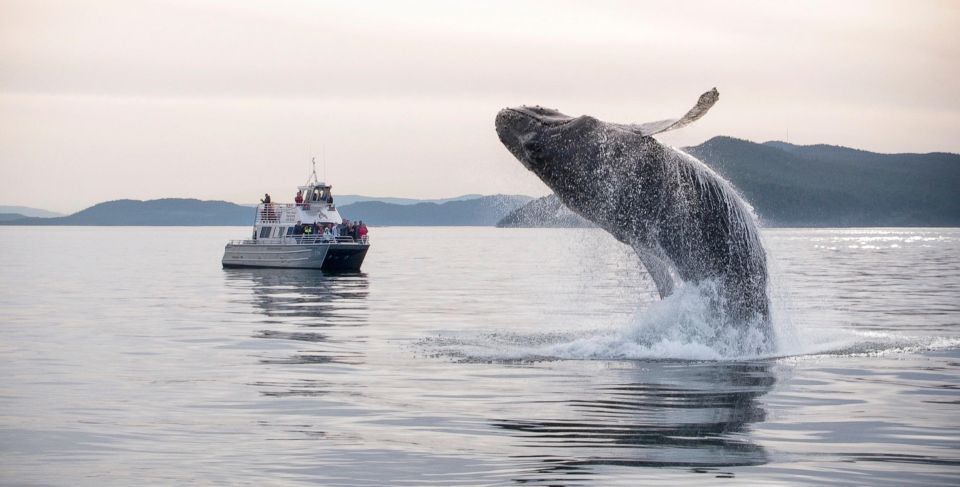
(686,223)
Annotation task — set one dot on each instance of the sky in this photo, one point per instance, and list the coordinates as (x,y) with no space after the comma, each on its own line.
(226,100)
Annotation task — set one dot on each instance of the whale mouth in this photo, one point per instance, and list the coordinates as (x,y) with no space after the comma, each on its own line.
(545,116)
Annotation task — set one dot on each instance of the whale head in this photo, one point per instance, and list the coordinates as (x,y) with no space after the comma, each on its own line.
(558,148)
(582,159)
(526,131)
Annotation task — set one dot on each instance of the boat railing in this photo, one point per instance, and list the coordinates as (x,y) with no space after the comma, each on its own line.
(276,213)
(301,240)
(286,212)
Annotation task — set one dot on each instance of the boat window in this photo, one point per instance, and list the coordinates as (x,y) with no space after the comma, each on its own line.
(265,232)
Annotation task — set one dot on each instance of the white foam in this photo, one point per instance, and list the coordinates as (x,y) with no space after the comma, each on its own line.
(683,326)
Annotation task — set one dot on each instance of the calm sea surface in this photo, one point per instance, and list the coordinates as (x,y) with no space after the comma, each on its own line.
(470,356)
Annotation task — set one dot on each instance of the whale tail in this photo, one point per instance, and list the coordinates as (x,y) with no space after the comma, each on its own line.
(704,103)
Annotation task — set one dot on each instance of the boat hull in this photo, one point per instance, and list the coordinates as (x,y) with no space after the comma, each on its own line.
(344,257)
(330,257)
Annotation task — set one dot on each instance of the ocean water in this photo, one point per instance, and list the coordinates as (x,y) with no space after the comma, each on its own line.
(471,356)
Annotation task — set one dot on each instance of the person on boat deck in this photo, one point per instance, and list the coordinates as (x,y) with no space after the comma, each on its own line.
(267,209)
(298,199)
(308,229)
(298,228)
(327,232)
(363,230)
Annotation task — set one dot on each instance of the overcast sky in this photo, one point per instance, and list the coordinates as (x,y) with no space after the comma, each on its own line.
(103,100)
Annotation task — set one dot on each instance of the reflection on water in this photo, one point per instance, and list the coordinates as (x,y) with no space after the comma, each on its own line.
(661,414)
(306,300)
(328,299)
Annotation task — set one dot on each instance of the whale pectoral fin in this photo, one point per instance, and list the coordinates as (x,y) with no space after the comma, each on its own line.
(706,101)
(659,270)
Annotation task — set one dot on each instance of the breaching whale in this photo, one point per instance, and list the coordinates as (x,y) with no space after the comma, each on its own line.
(686,223)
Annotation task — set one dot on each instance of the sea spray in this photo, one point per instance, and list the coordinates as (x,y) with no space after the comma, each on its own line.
(682,326)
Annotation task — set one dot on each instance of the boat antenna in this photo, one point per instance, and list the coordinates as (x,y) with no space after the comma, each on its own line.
(323,152)
(313,175)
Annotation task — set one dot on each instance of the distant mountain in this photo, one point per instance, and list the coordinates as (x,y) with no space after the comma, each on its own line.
(817,185)
(163,212)
(483,211)
(28,211)
(822,185)
(7,217)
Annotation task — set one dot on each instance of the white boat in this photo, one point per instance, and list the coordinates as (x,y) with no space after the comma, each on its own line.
(279,240)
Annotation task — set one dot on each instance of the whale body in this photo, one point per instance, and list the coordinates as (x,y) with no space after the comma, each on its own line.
(686,223)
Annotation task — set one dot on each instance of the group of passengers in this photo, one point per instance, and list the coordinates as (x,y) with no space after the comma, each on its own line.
(357,231)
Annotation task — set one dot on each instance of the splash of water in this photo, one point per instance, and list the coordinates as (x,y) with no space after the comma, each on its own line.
(683,326)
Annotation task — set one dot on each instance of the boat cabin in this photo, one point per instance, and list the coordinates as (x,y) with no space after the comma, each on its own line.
(277,220)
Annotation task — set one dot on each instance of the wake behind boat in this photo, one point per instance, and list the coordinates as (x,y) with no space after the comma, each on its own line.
(309,234)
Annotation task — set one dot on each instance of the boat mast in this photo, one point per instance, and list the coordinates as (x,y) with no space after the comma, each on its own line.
(313,175)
